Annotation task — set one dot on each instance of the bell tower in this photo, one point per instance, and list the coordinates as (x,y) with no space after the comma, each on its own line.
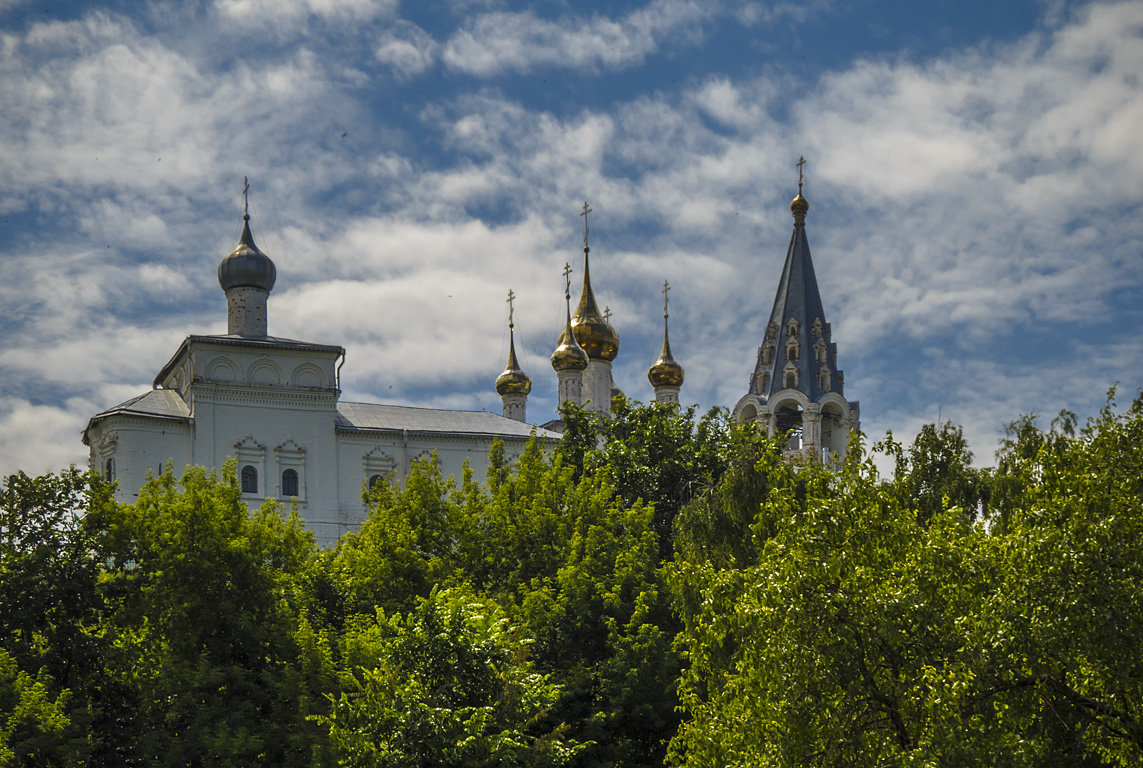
(796,388)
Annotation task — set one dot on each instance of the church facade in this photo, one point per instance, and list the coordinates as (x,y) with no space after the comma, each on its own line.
(274,406)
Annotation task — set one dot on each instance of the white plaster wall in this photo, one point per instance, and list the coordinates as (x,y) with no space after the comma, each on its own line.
(140,446)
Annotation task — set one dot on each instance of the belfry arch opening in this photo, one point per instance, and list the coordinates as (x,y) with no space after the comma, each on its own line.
(834,432)
(788,422)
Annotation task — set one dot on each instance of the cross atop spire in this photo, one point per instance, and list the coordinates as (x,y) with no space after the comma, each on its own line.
(666,291)
(607,315)
(799,205)
(511,309)
(567,281)
(245,199)
(586,211)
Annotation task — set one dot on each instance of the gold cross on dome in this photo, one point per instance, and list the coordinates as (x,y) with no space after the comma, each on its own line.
(666,291)
(567,280)
(511,310)
(607,315)
(586,211)
(245,198)
(800,163)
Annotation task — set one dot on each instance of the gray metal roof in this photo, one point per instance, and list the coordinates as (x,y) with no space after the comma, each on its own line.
(404,417)
(163,403)
(156,404)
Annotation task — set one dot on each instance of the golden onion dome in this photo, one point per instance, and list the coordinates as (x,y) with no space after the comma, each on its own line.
(513,381)
(593,333)
(666,372)
(569,355)
(799,205)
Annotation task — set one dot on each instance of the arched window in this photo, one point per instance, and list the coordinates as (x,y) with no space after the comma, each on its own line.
(820,351)
(290,482)
(790,376)
(375,481)
(249,479)
(792,327)
(792,349)
(109,469)
(823,379)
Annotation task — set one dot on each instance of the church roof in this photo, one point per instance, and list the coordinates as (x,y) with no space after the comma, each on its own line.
(156,404)
(265,342)
(792,346)
(367,416)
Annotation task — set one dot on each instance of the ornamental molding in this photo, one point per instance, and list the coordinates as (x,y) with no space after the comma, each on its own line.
(289,450)
(219,393)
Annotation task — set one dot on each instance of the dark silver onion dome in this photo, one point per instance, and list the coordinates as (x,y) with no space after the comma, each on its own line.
(246,266)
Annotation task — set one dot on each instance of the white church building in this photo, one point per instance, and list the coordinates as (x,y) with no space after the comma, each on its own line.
(274,404)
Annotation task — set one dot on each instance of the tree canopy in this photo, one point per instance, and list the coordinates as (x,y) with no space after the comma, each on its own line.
(662,588)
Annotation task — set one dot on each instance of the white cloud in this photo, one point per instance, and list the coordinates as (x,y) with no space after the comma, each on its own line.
(407,49)
(519,42)
(41,438)
(958,205)
(292,12)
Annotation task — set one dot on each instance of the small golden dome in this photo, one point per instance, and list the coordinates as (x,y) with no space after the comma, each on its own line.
(513,381)
(799,205)
(593,333)
(569,355)
(665,372)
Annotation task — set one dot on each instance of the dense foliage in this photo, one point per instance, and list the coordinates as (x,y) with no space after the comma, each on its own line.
(659,588)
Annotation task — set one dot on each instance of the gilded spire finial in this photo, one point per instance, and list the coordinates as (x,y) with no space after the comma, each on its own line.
(666,372)
(513,381)
(569,355)
(799,205)
(607,315)
(245,199)
(586,211)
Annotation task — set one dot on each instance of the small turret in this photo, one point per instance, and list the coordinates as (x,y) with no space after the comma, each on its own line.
(513,385)
(569,360)
(247,276)
(599,340)
(666,375)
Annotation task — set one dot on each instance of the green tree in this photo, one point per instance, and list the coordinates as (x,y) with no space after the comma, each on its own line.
(937,472)
(866,634)
(35,726)
(448,684)
(210,655)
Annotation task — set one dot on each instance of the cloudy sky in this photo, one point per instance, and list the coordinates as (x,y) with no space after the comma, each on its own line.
(975,171)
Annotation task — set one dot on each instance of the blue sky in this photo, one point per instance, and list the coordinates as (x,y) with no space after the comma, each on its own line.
(975,172)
